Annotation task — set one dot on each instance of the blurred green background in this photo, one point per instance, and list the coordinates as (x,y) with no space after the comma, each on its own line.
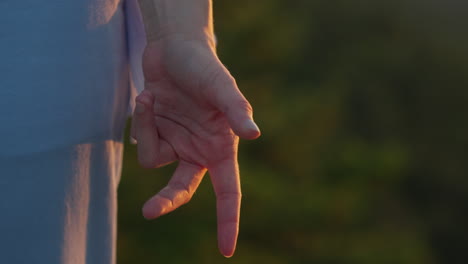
(364,154)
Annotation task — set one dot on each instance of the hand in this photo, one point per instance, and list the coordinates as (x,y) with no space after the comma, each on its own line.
(192,111)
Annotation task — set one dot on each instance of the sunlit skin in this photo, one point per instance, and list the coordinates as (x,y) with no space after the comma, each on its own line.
(192,111)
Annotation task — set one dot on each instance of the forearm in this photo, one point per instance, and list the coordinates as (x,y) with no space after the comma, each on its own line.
(169,17)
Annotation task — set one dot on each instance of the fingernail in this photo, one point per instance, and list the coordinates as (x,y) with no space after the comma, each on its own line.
(250,125)
(139,108)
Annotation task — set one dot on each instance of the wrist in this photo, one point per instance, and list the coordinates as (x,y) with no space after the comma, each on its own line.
(189,19)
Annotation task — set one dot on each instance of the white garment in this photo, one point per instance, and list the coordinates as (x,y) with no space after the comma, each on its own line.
(64,97)
(136,45)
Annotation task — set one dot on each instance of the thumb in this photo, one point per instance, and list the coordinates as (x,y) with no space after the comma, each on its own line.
(229,100)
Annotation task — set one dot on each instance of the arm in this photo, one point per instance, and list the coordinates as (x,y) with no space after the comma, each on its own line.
(190,111)
(165,17)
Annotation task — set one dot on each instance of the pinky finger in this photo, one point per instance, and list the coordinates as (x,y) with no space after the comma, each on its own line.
(145,130)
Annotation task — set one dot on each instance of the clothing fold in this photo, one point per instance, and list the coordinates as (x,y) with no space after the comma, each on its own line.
(136,39)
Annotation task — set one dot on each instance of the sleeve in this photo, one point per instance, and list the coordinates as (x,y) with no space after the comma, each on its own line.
(136,41)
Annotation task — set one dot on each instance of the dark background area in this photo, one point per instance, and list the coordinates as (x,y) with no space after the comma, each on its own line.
(364,154)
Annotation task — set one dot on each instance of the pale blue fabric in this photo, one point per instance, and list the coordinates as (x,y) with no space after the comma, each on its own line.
(65,89)
(136,39)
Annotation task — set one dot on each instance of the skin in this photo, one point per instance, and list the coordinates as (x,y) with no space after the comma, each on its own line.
(192,111)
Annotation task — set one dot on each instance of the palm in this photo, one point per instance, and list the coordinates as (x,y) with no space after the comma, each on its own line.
(191,106)
(197,132)
(187,120)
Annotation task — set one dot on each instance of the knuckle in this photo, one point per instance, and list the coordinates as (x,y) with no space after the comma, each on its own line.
(214,78)
(223,196)
(209,74)
(182,192)
(245,105)
(240,105)
(181,187)
(217,76)
(228,79)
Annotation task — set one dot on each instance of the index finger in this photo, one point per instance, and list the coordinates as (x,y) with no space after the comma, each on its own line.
(226,183)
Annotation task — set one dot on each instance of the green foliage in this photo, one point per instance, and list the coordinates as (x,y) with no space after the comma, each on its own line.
(363,157)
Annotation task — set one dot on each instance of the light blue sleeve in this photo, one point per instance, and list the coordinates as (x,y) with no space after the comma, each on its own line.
(136,39)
